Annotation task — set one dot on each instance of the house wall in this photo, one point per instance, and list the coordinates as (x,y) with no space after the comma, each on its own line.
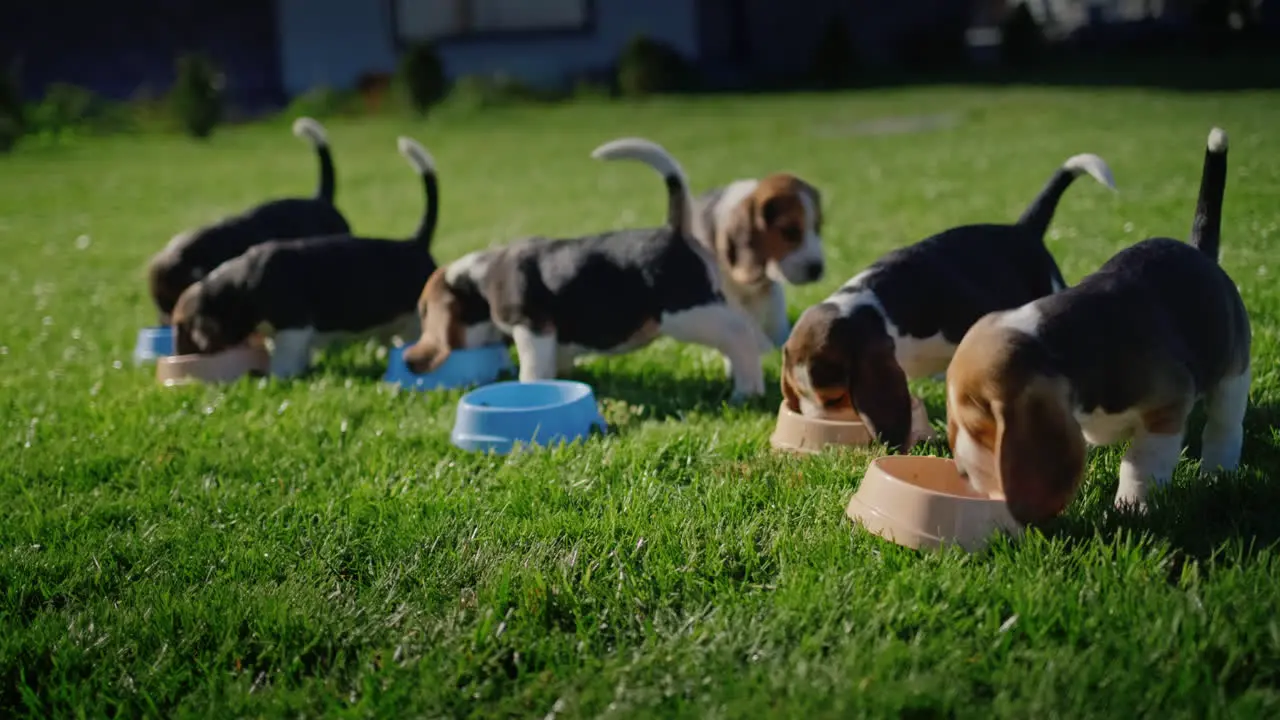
(120,48)
(334,42)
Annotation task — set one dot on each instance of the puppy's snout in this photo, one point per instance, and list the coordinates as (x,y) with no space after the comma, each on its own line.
(814,270)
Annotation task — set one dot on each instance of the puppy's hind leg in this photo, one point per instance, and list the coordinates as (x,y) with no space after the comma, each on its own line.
(537,353)
(291,354)
(1223,435)
(728,330)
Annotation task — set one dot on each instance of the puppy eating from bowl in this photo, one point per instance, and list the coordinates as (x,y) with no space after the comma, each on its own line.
(764,232)
(192,254)
(850,356)
(1124,354)
(612,292)
(306,294)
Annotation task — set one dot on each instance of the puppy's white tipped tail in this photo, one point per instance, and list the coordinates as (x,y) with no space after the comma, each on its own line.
(1206,226)
(648,152)
(1217,141)
(1092,164)
(680,201)
(308,129)
(417,155)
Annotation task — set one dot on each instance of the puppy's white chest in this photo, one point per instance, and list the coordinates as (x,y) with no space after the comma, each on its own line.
(1103,428)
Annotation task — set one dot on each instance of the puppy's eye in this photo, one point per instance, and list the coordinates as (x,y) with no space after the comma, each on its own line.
(792,234)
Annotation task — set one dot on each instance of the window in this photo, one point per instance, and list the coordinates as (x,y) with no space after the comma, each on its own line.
(444,19)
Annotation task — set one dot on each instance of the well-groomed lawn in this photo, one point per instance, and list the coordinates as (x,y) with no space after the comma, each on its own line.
(318,547)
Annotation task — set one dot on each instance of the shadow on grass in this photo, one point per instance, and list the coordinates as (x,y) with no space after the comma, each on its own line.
(663,397)
(1199,516)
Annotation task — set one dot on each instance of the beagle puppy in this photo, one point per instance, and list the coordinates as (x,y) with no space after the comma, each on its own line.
(611,292)
(850,356)
(763,232)
(307,293)
(1123,354)
(191,254)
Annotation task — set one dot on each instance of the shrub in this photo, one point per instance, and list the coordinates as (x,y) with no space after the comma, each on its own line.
(323,103)
(63,110)
(10,133)
(835,63)
(10,97)
(422,76)
(647,67)
(197,95)
(11,115)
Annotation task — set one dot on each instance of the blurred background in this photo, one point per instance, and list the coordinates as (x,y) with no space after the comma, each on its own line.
(72,63)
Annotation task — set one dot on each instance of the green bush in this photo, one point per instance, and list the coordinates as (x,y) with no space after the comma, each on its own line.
(421,75)
(197,95)
(481,92)
(835,62)
(648,67)
(64,110)
(323,103)
(10,133)
(11,113)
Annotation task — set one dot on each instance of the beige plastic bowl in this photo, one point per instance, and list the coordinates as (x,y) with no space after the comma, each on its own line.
(225,366)
(922,502)
(797,433)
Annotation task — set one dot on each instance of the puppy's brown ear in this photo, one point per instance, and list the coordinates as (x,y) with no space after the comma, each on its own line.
(737,244)
(880,394)
(442,329)
(1040,452)
(426,355)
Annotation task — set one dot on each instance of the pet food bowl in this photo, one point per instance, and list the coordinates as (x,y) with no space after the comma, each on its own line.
(922,502)
(496,417)
(797,433)
(153,343)
(220,367)
(463,368)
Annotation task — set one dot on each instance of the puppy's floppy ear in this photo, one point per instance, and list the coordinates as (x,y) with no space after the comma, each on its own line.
(737,243)
(442,331)
(879,391)
(1040,451)
(426,355)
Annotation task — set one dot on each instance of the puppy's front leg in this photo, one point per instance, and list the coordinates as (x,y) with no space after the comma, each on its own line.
(776,324)
(1149,463)
(1223,435)
(728,330)
(291,352)
(536,352)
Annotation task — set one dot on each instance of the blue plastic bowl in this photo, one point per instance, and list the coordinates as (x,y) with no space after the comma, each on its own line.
(464,368)
(153,343)
(496,417)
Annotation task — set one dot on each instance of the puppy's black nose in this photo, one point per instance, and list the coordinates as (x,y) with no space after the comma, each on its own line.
(814,271)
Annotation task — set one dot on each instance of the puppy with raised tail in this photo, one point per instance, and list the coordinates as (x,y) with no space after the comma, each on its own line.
(613,292)
(764,232)
(1122,355)
(850,356)
(192,254)
(311,292)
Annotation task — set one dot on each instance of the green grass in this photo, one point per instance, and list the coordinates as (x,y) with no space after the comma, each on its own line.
(317,546)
